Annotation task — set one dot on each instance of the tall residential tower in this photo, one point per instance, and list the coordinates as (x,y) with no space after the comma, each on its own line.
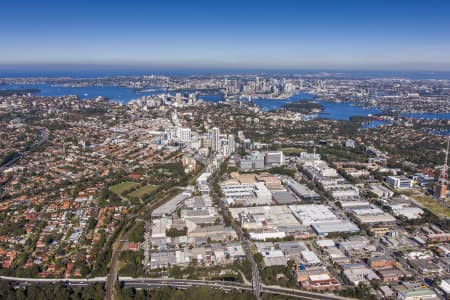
(215,139)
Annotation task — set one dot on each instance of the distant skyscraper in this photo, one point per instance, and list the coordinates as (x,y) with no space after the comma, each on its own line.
(247,144)
(241,135)
(226,150)
(178,99)
(442,185)
(184,134)
(231,143)
(175,119)
(236,86)
(215,139)
(193,97)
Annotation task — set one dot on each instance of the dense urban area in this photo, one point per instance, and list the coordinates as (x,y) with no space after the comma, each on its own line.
(196,190)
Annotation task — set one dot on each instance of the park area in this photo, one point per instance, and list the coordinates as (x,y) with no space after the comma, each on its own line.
(143,191)
(123,187)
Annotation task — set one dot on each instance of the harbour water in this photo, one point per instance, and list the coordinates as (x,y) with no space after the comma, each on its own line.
(113,93)
(332,110)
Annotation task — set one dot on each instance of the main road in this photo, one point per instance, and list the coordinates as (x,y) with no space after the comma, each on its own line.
(246,245)
(154,283)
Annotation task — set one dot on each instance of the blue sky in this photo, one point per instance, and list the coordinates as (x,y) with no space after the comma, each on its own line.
(386,35)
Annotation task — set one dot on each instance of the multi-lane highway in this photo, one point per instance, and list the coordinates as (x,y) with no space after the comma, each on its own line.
(154,283)
(69,281)
(149,283)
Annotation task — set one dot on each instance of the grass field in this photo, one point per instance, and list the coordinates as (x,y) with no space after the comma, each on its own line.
(123,187)
(434,206)
(292,151)
(139,193)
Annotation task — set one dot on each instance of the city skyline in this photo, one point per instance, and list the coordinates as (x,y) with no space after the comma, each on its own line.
(324,35)
(225,149)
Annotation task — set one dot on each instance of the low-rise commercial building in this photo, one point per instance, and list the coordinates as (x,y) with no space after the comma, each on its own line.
(399,182)
(358,273)
(303,191)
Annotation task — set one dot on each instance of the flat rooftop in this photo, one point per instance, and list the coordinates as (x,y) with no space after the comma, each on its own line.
(283,197)
(338,226)
(170,206)
(310,214)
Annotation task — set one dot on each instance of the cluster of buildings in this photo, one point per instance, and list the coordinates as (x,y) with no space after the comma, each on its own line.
(310,271)
(358,261)
(259,160)
(252,189)
(189,229)
(265,206)
(326,176)
(165,99)
(336,226)
(323,220)
(282,226)
(178,137)
(60,194)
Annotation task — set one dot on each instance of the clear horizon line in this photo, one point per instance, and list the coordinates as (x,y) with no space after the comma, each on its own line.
(200,66)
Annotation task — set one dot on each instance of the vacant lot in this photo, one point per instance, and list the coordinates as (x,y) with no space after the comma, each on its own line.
(428,202)
(123,187)
(139,193)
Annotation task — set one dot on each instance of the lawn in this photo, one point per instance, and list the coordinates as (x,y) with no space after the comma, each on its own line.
(292,151)
(139,193)
(123,187)
(428,202)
